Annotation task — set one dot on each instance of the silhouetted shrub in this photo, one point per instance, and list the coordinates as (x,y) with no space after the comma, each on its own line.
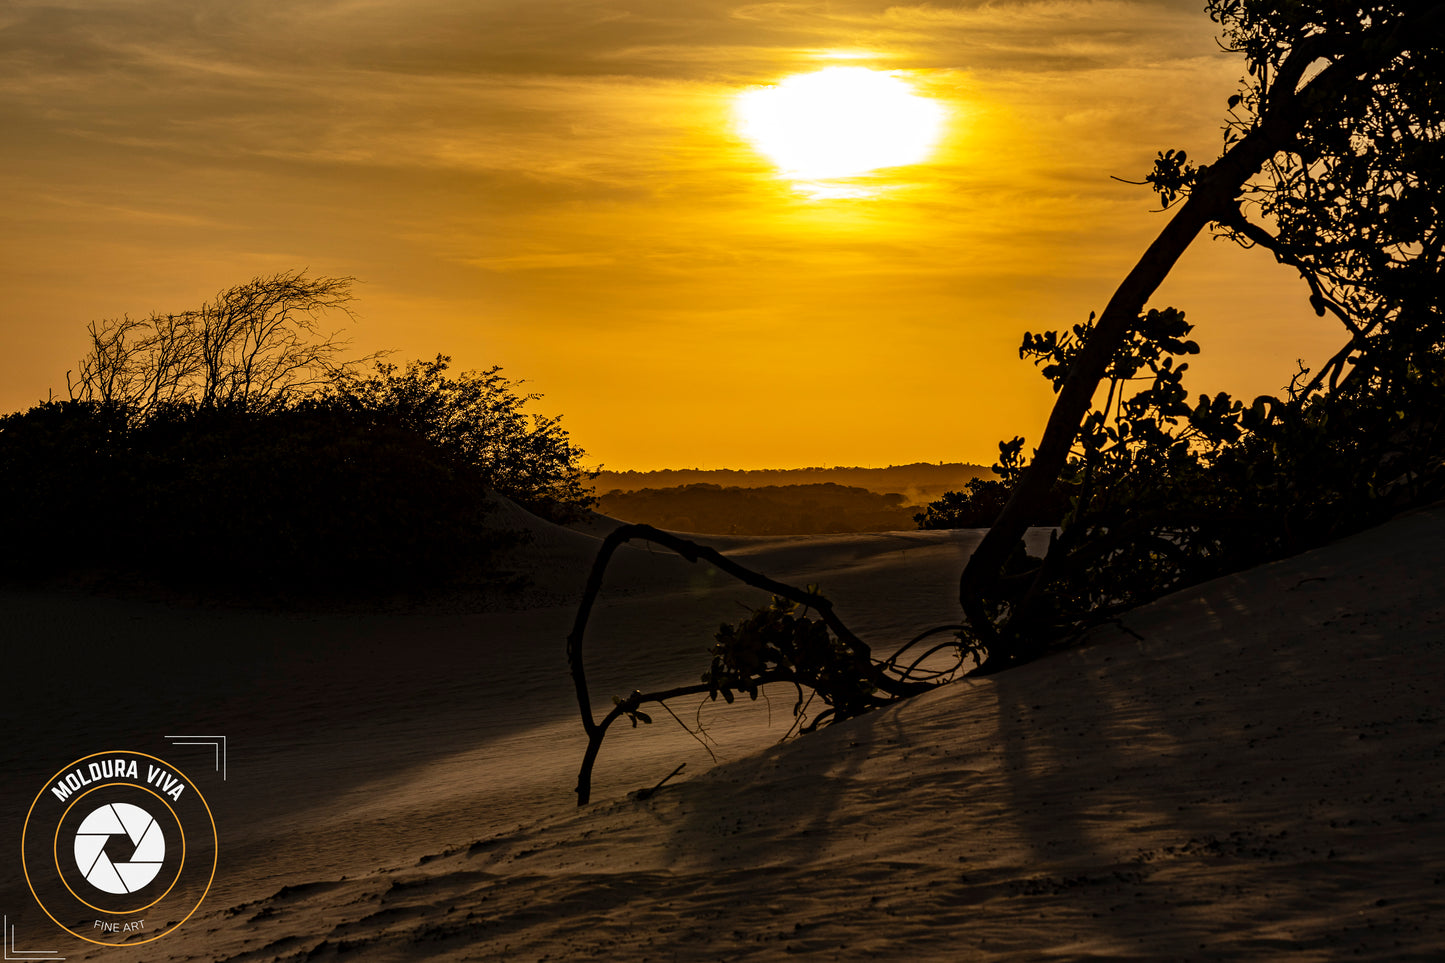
(979,504)
(477,419)
(64,491)
(234,446)
(314,492)
(316,496)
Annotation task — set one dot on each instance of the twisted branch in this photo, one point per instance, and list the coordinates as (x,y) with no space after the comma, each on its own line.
(693,552)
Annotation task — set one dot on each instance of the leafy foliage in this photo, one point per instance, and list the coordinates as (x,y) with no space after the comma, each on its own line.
(975,507)
(477,419)
(1355,201)
(1166,491)
(305,498)
(1172,176)
(777,643)
(980,501)
(59,482)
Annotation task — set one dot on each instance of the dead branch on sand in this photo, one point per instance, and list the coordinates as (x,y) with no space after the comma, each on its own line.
(844,673)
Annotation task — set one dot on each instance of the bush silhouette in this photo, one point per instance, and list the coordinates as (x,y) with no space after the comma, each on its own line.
(315,497)
(315,492)
(233,447)
(477,419)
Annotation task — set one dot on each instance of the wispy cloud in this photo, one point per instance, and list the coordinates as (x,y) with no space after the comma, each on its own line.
(509,169)
(562,88)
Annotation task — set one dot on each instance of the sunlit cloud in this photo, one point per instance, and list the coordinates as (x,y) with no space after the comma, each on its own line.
(510,174)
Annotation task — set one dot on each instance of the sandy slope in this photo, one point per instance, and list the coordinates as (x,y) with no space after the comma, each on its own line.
(1251,769)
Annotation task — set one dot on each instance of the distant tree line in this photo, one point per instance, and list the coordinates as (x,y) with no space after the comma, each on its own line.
(919,482)
(234,446)
(766,510)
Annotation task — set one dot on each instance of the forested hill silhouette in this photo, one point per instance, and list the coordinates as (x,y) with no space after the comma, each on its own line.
(765,510)
(919,483)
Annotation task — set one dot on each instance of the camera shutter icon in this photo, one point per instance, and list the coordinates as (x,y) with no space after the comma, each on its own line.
(119,876)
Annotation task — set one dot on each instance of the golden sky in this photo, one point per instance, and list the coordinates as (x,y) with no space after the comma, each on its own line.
(561,187)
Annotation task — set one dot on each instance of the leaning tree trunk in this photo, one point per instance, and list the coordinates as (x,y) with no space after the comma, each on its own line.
(1214,197)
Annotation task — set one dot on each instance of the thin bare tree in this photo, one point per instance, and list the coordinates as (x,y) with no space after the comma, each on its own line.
(255,346)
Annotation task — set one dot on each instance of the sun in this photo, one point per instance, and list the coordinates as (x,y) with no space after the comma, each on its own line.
(839,122)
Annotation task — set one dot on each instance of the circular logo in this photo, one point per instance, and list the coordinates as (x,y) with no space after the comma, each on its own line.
(121,821)
(119,848)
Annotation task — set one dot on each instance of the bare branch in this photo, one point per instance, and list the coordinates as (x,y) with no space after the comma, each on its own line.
(256,345)
(694,552)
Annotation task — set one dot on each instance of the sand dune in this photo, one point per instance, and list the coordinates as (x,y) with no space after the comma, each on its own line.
(1249,769)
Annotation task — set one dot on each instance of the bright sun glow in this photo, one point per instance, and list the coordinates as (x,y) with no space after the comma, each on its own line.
(839,122)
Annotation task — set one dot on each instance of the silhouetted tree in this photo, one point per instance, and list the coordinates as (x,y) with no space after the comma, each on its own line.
(257,345)
(1336,137)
